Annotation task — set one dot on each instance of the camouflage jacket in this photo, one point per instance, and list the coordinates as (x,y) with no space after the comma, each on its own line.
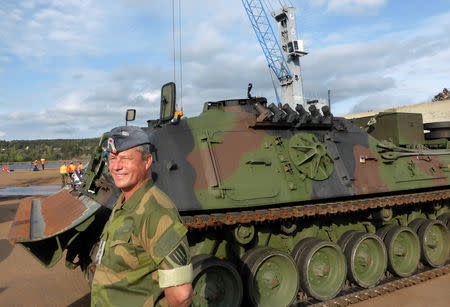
(143,237)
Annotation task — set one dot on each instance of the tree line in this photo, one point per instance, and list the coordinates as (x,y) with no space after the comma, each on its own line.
(50,150)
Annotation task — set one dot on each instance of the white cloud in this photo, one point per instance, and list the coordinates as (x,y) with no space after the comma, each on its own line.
(89,102)
(34,24)
(16,15)
(355,7)
(27,4)
(71,103)
(51,29)
(62,35)
(122,55)
(2,134)
(18,115)
(349,7)
(400,68)
(332,37)
(47,14)
(151,96)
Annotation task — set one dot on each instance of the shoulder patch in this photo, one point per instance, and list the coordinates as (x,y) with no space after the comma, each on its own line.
(179,255)
(168,241)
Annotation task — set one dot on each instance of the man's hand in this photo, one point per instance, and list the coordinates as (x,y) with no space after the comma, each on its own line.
(179,296)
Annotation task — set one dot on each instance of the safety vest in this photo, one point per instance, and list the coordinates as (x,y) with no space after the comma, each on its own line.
(63,169)
(72,168)
(80,167)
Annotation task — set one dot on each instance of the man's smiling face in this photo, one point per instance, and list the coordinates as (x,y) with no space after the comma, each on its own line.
(129,170)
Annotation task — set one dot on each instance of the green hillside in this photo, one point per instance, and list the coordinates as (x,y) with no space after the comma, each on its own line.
(51,150)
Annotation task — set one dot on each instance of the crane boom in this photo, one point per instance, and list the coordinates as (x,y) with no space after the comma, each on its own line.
(266,38)
(283,59)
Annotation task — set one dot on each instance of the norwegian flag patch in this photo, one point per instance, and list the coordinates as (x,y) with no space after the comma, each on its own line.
(111,146)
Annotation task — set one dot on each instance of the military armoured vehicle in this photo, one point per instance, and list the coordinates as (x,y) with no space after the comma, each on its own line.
(278,202)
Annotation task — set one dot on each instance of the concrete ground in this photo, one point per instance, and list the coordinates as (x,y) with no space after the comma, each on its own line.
(25,282)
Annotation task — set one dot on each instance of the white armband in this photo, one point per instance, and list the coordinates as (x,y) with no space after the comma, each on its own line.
(176,277)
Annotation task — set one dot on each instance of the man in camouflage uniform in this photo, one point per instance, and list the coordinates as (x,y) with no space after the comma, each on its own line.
(143,258)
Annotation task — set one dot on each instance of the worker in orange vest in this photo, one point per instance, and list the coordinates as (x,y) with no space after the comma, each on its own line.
(71,169)
(5,169)
(35,165)
(64,175)
(80,166)
(43,163)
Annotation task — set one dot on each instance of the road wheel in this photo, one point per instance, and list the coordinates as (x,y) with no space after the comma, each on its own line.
(270,276)
(434,241)
(322,268)
(366,259)
(445,218)
(216,282)
(403,250)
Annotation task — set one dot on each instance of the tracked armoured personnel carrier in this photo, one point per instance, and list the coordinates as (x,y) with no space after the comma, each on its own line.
(283,206)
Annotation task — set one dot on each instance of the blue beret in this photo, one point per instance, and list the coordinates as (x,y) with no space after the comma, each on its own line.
(126,137)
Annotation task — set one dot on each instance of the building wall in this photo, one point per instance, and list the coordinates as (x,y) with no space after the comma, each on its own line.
(431,111)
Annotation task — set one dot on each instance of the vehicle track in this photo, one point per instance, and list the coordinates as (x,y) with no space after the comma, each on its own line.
(357,295)
(272,214)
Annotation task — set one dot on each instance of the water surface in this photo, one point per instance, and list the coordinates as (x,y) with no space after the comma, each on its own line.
(31,166)
(30,190)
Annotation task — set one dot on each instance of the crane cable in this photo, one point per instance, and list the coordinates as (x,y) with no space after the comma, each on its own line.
(179,112)
(274,85)
(181,66)
(173,41)
(268,5)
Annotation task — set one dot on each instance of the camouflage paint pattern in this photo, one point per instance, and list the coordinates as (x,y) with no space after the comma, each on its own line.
(225,159)
(232,159)
(228,159)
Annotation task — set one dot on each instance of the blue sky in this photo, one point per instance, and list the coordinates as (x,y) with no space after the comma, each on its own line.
(70,68)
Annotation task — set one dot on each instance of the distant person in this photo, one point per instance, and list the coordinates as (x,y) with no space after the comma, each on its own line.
(5,169)
(35,165)
(43,163)
(446,93)
(71,169)
(64,175)
(80,167)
